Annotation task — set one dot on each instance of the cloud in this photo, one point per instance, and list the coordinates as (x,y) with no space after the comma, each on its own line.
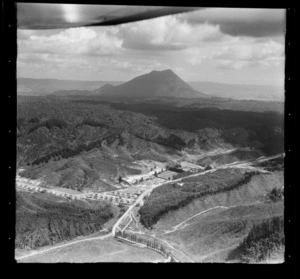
(249,51)
(165,34)
(137,45)
(231,64)
(241,21)
(238,53)
(193,44)
(24,34)
(76,41)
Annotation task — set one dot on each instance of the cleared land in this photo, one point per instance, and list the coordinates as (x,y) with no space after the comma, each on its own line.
(213,237)
(107,250)
(254,191)
(209,229)
(167,175)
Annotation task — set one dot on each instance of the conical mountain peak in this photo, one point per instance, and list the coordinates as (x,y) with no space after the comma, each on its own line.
(155,84)
(163,72)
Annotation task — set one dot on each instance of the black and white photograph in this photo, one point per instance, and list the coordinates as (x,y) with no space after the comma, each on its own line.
(150,134)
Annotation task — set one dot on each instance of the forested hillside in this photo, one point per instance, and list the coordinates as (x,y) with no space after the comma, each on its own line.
(51,131)
(43,221)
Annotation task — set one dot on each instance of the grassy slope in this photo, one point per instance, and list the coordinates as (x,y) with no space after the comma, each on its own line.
(213,235)
(229,158)
(107,250)
(206,237)
(252,192)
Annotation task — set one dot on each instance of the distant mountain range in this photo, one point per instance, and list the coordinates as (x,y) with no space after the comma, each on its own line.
(240,91)
(149,86)
(41,87)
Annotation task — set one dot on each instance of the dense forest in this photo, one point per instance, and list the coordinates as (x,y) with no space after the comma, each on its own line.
(49,124)
(41,221)
(80,123)
(244,128)
(262,240)
(68,152)
(172,197)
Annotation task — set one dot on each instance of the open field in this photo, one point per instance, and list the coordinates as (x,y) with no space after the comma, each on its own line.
(186,166)
(167,174)
(195,156)
(67,191)
(147,165)
(236,155)
(106,250)
(147,168)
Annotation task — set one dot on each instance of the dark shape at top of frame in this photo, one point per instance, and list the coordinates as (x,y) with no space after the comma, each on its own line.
(52,16)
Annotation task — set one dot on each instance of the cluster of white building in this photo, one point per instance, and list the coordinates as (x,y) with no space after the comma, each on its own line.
(115,196)
(33,188)
(127,197)
(22,181)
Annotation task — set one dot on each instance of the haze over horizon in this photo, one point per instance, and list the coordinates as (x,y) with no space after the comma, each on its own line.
(224,45)
(124,81)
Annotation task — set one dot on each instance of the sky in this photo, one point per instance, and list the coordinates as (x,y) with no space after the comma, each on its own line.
(226,45)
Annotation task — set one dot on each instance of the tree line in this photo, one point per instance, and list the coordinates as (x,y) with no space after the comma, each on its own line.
(262,240)
(276,195)
(150,244)
(175,198)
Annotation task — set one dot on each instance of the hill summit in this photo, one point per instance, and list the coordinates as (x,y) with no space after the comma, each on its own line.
(153,85)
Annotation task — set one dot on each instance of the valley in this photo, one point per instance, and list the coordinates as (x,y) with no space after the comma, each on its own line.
(151,134)
(120,177)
